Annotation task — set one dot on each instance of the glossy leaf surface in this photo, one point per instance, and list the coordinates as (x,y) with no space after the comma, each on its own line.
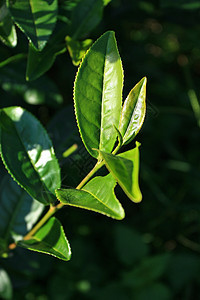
(41,61)
(125,169)
(97,195)
(5,285)
(133,112)
(40,19)
(77,49)
(98,93)
(28,154)
(7,29)
(18,211)
(86,15)
(49,239)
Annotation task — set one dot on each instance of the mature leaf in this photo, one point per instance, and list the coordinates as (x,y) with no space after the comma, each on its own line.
(7,29)
(36,18)
(125,169)
(77,49)
(5,285)
(98,93)
(85,17)
(28,154)
(133,112)
(41,61)
(97,195)
(18,211)
(49,239)
(42,91)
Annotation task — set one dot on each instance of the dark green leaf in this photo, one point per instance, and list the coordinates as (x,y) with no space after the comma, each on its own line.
(155,291)
(41,61)
(28,154)
(98,93)
(18,211)
(36,18)
(41,91)
(49,239)
(5,286)
(97,195)
(77,49)
(125,169)
(85,17)
(7,29)
(133,112)
(150,269)
(181,4)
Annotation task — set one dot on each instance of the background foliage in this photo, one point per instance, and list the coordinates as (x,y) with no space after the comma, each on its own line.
(154,252)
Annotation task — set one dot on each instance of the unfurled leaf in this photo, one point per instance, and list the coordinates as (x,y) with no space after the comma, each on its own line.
(97,195)
(77,49)
(133,112)
(41,61)
(18,211)
(49,239)
(98,95)
(28,154)
(125,169)
(85,17)
(5,286)
(36,18)
(7,29)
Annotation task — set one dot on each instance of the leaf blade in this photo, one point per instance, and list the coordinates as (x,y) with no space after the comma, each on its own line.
(7,29)
(49,239)
(28,154)
(133,112)
(40,19)
(125,169)
(97,195)
(99,81)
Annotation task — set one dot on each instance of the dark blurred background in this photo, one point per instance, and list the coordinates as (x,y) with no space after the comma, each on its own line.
(153,254)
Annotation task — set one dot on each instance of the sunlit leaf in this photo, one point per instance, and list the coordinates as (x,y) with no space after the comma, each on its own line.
(98,94)
(77,49)
(36,18)
(133,112)
(49,239)
(5,286)
(125,169)
(28,154)
(97,195)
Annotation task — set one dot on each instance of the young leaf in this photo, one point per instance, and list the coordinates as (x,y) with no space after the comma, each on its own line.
(85,17)
(18,211)
(7,29)
(39,21)
(49,239)
(5,285)
(28,154)
(41,61)
(125,169)
(98,94)
(97,195)
(133,112)
(77,49)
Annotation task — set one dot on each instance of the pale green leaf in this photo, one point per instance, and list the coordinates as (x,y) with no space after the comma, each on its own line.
(7,29)
(133,112)
(77,49)
(98,95)
(125,169)
(49,239)
(85,17)
(36,18)
(97,195)
(18,211)
(5,285)
(28,154)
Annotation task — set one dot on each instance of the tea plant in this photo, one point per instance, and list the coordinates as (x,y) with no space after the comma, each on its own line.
(105,126)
